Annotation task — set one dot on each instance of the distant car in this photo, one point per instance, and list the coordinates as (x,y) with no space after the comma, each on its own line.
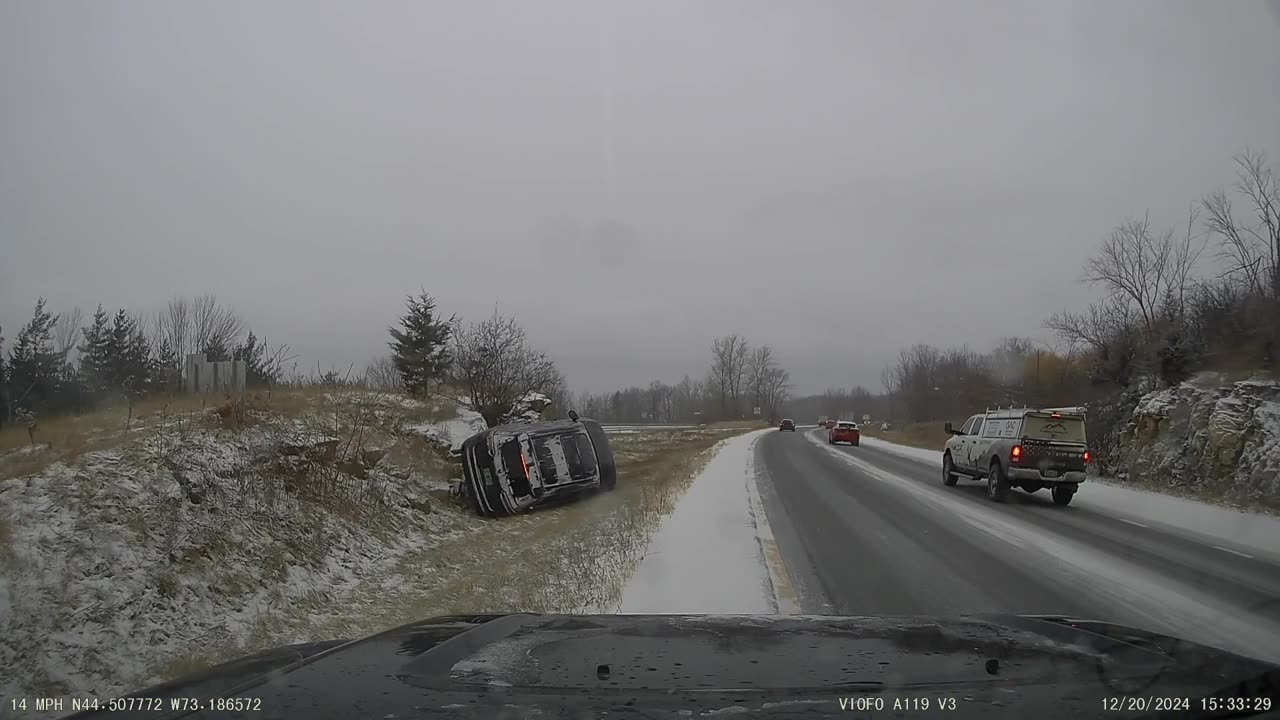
(884,426)
(512,468)
(788,424)
(844,431)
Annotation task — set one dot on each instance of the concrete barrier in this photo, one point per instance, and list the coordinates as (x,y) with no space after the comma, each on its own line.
(200,375)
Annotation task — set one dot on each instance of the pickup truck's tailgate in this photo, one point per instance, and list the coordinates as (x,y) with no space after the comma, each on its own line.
(1052,459)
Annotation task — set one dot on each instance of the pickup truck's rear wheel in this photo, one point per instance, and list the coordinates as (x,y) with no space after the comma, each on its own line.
(1062,495)
(997,483)
(949,476)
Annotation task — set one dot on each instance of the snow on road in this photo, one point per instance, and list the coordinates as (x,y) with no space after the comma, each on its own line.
(1162,605)
(706,557)
(915,453)
(1252,534)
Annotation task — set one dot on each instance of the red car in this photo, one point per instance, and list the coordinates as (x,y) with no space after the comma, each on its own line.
(844,431)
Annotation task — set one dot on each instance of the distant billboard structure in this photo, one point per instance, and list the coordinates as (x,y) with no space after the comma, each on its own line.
(200,375)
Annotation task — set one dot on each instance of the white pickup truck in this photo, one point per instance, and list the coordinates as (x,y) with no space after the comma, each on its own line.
(1026,448)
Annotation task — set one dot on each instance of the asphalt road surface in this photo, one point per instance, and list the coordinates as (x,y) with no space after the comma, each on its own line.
(864,531)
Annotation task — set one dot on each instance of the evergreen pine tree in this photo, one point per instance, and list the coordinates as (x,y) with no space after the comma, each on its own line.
(95,352)
(119,340)
(138,361)
(33,364)
(420,349)
(257,369)
(164,368)
(216,350)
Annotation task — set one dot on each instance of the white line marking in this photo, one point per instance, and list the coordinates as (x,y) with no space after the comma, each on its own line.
(785,598)
(1233,552)
(1132,522)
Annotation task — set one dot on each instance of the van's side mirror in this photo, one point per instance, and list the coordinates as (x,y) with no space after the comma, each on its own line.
(573,416)
(950,430)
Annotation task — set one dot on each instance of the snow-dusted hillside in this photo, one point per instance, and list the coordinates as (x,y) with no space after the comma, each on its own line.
(204,535)
(1210,437)
(207,534)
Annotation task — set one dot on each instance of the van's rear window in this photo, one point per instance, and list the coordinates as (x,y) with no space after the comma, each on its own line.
(1060,429)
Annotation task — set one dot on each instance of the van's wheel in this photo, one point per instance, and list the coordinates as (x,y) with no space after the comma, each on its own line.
(997,483)
(1062,495)
(949,477)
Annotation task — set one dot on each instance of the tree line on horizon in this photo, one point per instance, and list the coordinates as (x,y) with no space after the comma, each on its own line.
(59,363)
(1204,295)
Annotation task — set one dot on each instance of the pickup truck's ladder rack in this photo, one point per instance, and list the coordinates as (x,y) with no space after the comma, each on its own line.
(1068,410)
(999,409)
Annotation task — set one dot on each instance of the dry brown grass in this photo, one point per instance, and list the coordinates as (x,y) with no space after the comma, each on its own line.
(549,560)
(67,438)
(928,435)
(58,432)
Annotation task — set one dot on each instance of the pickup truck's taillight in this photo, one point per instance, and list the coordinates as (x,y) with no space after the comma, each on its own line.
(1088,457)
(1015,455)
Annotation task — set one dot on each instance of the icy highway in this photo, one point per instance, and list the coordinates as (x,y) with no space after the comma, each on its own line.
(866,530)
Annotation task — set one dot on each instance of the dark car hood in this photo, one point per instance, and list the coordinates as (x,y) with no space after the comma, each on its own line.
(524,665)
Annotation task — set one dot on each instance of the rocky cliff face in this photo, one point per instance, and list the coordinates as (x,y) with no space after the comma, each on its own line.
(1209,436)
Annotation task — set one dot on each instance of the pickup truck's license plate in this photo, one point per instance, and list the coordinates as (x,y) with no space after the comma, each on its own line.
(1051,473)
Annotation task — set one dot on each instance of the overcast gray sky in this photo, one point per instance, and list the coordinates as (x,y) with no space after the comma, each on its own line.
(630,179)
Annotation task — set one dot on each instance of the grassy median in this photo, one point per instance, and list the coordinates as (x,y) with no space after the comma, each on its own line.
(571,558)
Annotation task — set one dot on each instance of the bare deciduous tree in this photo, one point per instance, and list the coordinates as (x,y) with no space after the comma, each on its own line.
(1095,327)
(760,362)
(775,386)
(381,374)
(1144,269)
(172,327)
(200,325)
(1251,251)
(215,328)
(495,366)
(66,335)
(728,371)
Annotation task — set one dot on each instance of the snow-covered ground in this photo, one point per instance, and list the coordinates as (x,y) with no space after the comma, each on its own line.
(706,557)
(320,516)
(1256,534)
(121,567)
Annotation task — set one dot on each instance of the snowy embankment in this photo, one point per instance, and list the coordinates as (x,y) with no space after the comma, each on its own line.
(1254,534)
(206,535)
(714,553)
